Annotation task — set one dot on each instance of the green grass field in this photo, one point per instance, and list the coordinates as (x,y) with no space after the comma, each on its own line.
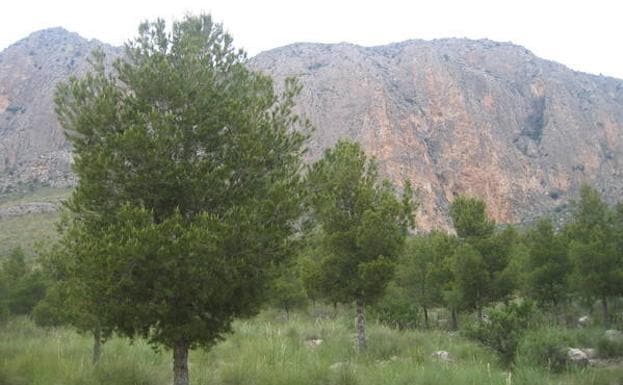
(268,350)
(27,231)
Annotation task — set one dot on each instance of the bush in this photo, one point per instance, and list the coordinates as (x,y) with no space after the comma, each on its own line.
(547,347)
(503,330)
(609,348)
(396,309)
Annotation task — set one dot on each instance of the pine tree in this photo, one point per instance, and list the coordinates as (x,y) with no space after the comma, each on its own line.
(188,167)
(363,227)
(594,249)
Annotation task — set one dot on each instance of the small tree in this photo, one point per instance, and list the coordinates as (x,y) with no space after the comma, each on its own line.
(188,193)
(484,249)
(421,269)
(363,227)
(548,266)
(74,296)
(594,249)
(286,290)
(470,218)
(24,285)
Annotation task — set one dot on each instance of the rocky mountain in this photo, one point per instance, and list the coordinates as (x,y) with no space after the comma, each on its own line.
(33,150)
(458,116)
(453,116)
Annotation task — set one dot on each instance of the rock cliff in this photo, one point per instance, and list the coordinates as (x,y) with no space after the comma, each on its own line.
(452,116)
(458,116)
(33,150)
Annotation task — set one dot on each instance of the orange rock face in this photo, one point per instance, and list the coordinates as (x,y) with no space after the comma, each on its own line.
(464,117)
(452,116)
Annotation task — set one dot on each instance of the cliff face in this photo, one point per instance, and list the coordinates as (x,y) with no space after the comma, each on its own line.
(33,150)
(452,116)
(464,117)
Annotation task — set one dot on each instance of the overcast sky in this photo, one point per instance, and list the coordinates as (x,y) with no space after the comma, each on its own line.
(584,35)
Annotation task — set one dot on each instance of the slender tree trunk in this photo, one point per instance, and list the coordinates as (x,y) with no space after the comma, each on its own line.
(606,313)
(97,345)
(455,320)
(425,317)
(180,363)
(360,325)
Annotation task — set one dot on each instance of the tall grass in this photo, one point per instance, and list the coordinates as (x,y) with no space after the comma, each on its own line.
(268,350)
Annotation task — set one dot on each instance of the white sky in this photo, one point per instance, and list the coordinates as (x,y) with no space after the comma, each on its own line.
(584,35)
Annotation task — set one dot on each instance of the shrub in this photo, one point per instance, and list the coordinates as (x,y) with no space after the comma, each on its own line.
(609,348)
(396,309)
(547,347)
(503,330)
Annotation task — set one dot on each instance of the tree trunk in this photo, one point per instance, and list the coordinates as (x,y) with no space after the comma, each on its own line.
(180,363)
(606,313)
(97,345)
(360,325)
(455,320)
(425,317)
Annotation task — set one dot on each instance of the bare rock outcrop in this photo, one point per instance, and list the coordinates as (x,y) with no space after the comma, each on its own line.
(453,116)
(459,116)
(33,149)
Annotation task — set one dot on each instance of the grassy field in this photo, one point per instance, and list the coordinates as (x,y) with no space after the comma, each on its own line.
(268,350)
(27,231)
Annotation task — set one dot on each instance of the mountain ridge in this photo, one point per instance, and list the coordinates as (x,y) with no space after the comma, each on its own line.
(451,115)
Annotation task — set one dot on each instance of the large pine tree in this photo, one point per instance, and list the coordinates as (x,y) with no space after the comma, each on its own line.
(188,167)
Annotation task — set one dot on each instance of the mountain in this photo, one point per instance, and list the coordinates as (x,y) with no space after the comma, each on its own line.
(33,149)
(457,116)
(452,116)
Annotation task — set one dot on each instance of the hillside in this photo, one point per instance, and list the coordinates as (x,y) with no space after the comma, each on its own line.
(33,149)
(460,116)
(453,116)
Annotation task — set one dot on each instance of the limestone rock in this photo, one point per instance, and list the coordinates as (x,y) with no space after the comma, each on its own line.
(442,355)
(577,356)
(614,335)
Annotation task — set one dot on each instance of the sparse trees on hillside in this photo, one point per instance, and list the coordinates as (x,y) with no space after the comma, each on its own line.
(188,167)
(363,226)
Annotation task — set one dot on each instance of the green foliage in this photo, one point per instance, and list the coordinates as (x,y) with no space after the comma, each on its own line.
(547,348)
(548,266)
(504,328)
(22,285)
(470,279)
(595,248)
(609,347)
(422,270)
(481,265)
(188,166)
(362,227)
(396,308)
(286,290)
(470,218)
(363,224)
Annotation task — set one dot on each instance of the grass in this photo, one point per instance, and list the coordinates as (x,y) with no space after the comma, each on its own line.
(26,231)
(268,350)
(43,194)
